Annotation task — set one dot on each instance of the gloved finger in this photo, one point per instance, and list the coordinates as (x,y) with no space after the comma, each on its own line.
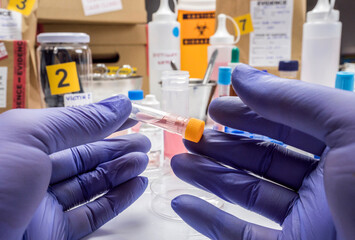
(265,159)
(106,176)
(89,217)
(217,224)
(55,129)
(232,112)
(309,108)
(127,124)
(77,160)
(235,186)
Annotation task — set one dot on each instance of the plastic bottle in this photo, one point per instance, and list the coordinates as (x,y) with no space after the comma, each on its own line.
(224,42)
(321,44)
(155,135)
(288,69)
(163,44)
(224,82)
(136,96)
(197,19)
(234,58)
(175,99)
(345,81)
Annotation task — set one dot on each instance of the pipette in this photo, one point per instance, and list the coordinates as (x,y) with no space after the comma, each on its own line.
(190,128)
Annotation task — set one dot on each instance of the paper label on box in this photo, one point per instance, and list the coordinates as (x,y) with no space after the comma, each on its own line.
(3,51)
(3,86)
(77,99)
(245,24)
(19,77)
(161,59)
(271,40)
(10,25)
(22,6)
(93,7)
(63,78)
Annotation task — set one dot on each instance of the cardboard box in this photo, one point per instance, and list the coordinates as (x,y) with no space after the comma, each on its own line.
(242,8)
(14,74)
(132,12)
(29,30)
(113,44)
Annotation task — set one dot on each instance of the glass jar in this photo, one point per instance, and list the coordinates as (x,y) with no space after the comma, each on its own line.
(64,69)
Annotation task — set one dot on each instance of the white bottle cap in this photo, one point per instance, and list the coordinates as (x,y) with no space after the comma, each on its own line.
(323,12)
(151,101)
(197,5)
(222,36)
(164,13)
(63,37)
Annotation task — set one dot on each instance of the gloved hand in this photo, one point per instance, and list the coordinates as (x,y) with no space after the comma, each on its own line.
(316,199)
(41,179)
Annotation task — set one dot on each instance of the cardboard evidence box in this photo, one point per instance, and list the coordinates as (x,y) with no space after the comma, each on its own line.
(132,12)
(271,30)
(14,74)
(113,44)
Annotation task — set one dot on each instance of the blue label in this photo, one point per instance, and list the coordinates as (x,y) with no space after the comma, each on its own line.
(176,31)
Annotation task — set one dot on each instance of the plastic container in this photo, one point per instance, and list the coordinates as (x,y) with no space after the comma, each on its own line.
(163,44)
(136,97)
(64,69)
(175,99)
(321,44)
(224,42)
(288,69)
(234,58)
(224,82)
(345,81)
(155,135)
(197,19)
(189,128)
(166,188)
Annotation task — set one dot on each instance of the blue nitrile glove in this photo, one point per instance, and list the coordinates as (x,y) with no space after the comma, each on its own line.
(41,179)
(318,202)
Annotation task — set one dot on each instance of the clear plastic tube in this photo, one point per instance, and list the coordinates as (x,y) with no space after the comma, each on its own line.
(161,119)
(223,90)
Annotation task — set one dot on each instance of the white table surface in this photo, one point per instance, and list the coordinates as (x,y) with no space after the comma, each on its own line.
(139,222)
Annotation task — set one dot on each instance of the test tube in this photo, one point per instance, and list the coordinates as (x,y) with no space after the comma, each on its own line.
(224,81)
(189,128)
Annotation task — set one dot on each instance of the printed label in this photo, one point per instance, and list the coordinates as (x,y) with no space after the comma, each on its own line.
(245,24)
(196,30)
(112,70)
(161,59)
(3,52)
(10,25)
(22,6)
(3,86)
(271,40)
(77,99)
(19,87)
(63,78)
(93,7)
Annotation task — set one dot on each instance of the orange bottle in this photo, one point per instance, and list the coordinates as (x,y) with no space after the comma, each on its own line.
(197,20)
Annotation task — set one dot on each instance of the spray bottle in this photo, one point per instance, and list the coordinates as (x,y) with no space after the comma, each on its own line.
(163,45)
(321,44)
(224,42)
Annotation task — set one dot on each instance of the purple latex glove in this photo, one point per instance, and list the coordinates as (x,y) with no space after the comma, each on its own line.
(46,170)
(318,202)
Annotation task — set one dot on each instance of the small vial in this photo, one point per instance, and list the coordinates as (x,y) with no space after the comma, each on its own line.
(224,82)
(288,69)
(345,81)
(189,128)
